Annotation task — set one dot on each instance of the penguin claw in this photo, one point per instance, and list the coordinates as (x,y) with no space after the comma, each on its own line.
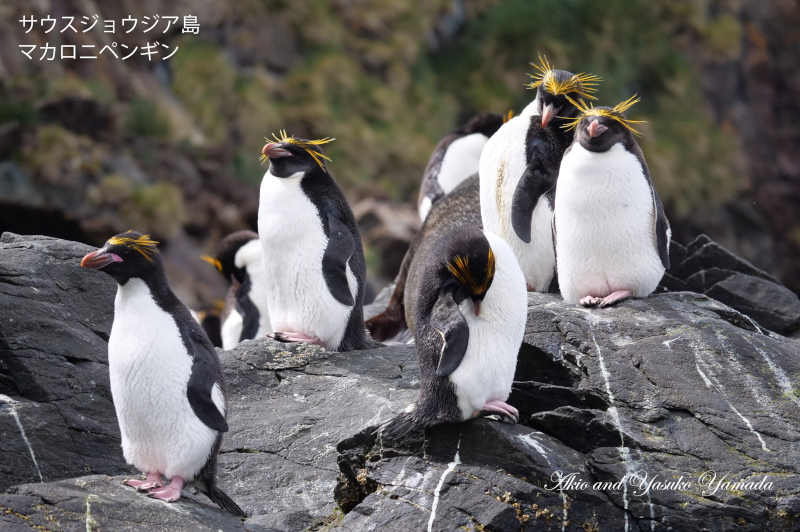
(590,301)
(615,297)
(289,337)
(505,411)
(153,480)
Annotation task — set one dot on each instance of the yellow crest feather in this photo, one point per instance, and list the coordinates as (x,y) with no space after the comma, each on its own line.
(583,84)
(460,270)
(142,244)
(614,113)
(213,261)
(508,116)
(305,144)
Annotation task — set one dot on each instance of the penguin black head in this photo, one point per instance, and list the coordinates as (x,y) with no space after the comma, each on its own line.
(126,256)
(468,266)
(599,128)
(484,123)
(289,156)
(224,259)
(555,87)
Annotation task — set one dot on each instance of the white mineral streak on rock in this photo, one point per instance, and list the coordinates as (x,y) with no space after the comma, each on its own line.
(452,465)
(13,411)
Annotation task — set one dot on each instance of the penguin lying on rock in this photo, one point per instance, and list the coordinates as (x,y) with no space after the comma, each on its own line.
(245,315)
(519,167)
(611,233)
(470,322)
(166,381)
(455,158)
(313,258)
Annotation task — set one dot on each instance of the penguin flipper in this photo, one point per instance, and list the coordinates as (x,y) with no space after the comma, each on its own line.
(341,247)
(662,228)
(205,372)
(535,182)
(450,323)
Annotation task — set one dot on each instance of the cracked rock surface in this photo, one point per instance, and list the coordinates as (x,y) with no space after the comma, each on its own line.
(55,318)
(672,386)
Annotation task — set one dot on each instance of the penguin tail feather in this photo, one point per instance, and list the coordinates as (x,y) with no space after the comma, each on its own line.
(221,499)
(400,425)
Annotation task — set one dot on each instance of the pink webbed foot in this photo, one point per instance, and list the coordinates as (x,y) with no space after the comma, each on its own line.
(499,407)
(530,288)
(615,297)
(169,493)
(289,337)
(590,301)
(153,480)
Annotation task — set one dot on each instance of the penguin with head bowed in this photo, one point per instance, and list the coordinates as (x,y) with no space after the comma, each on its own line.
(519,168)
(166,381)
(611,233)
(313,258)
(245,315)
(455,158)
(470,322)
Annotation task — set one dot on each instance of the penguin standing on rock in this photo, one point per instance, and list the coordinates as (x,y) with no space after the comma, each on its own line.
(166,381)
(519,168)
(245,315)
(612,237)
(455,158)
(470,322)
(313,258)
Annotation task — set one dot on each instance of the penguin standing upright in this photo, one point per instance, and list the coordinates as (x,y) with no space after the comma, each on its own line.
(313,258)
(166,381)
(612,236)
(470,323)
(519,167)
(245,315)
(455,158)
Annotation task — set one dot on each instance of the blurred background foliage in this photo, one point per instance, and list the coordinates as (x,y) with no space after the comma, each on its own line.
(171,147)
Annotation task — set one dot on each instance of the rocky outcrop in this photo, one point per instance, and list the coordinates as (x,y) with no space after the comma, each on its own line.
(56,415)
(669,386)
(705,267)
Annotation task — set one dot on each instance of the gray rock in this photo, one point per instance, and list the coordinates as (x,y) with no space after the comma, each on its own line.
(707,268)
(99,502)
(673,385)
(771,305)
(54,323)
(289,406)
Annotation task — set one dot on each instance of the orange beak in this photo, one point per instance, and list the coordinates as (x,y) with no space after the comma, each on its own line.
(273,151)
(99,259)
(596,129)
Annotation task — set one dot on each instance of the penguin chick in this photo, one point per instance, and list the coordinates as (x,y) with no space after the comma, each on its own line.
(312,253)
(455,158)
(519,167)
(245,315)
(611,233)
(470,322)
(166,381)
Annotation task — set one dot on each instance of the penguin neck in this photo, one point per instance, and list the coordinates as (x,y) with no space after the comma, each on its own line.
(156,282)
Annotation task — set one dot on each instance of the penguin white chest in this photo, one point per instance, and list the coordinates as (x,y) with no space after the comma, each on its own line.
(293,242)
(487,370)
(502,164)
(149,370)
(605,225)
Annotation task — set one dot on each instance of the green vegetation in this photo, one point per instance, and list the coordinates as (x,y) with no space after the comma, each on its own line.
(146,119)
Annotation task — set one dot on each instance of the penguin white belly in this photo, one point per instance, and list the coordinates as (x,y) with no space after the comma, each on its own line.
(294,242)
(425,208)
(487,370)
(605,225)
(460,160)
(231,330)
(250,256)
(149,370)
(501,167)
